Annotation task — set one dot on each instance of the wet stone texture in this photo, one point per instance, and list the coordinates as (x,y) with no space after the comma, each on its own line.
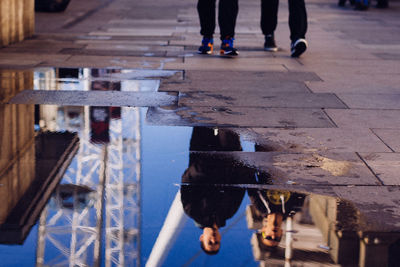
(240,117)
(243,81)
(266,100)
(313,169)
(95,98)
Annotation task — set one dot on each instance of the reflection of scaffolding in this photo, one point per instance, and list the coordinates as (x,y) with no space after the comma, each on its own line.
(122,197)
(106,181)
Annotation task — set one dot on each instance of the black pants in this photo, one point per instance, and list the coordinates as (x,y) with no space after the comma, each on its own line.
(227,14)
(297,18)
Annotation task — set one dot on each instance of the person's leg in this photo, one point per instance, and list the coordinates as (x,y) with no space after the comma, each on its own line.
(298,27)
(269,16)
(269,20)
(297,20)
(227,14)
(206,11)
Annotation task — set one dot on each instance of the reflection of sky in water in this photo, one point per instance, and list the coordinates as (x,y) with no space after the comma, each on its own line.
(20,255)
(164,159)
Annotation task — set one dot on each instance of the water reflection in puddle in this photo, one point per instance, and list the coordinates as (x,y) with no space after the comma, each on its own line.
(116,79)
(134,194)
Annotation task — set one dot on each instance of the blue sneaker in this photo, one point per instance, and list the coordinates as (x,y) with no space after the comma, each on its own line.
(361,4)
(227,48)
(206,46)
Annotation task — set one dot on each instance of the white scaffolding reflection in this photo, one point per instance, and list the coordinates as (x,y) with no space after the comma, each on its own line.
(94,216)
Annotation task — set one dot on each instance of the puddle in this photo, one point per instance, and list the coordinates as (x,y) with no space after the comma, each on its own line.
(133,194)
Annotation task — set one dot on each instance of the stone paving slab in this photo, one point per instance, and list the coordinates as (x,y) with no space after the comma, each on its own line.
(114,52)
(386,166)
(371,101)
(313,140)
(311,169)
(217,63)
(7,60)
(132,47)
(248,75)
(268,100)
(390,137)
(359,80)
(365,118)
(378,205)
(244,87)
(95,98)
(40,46)
(356,67)
(117,42)
(240,117)
(110,61)
(244,81)
(133,38)
(134,32)
(143,23)
(342,87)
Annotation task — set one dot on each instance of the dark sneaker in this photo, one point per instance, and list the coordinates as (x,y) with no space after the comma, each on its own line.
(206,47)
(227,48)
(361,5)
(298,47)
(269,44)
(382,4)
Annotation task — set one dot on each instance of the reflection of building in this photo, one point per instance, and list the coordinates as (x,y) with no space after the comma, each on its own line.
(99,215)
(31,164)
(300,244)
(335,234)
(53,153)
(17,21)
(341,226)
(327,213)
(17,137)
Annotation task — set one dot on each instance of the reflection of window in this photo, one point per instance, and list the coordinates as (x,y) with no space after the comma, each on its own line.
(70,196)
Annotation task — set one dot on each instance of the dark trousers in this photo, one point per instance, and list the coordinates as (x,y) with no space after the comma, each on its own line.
(297,18)
(227,14)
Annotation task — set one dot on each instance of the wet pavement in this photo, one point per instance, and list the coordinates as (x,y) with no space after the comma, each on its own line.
(92,184)
(120,146)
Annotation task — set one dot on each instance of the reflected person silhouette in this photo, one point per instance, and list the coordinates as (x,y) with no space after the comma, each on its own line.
(274,206)
(205,192)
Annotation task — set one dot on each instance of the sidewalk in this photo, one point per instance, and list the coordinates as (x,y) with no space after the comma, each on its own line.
(327,122)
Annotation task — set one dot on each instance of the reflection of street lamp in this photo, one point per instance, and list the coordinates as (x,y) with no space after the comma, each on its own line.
(289,241)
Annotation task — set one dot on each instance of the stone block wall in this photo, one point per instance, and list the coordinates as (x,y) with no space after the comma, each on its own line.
(17,20)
